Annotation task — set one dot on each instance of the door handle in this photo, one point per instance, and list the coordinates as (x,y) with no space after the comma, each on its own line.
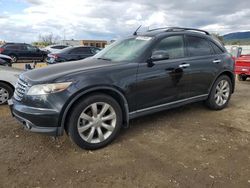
(216,61)
(184,65)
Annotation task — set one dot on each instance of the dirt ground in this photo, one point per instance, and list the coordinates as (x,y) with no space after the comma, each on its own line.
(189,146)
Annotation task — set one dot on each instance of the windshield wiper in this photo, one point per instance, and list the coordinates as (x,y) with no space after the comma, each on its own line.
(102,58)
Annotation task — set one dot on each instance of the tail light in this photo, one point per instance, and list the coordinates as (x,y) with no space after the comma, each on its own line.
(1,50)
(55,56)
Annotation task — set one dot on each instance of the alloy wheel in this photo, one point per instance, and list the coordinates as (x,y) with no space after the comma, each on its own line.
(222,92)
(97,122)
(13,59)
(4,95)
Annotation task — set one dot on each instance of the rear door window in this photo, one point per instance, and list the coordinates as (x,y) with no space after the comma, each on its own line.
(197,46)
(12,47)
(217,50)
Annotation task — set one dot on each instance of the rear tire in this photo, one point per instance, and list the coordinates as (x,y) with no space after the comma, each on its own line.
(95,121)
(242,77)
(6,92)
(220,94)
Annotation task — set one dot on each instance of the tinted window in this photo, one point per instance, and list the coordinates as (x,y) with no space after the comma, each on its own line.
(58,47)
(12,47)
(198,46)
(80,51)
(31,48)
(217,50)
(173,45)
(95,50)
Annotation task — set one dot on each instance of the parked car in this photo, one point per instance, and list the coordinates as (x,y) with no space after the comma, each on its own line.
(22,51)
(242,67)
(242,63)
(93,99)
(8,79)
(72,54)
(5,60)
(54,48)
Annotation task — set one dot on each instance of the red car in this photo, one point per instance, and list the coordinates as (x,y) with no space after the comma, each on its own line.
(242,64)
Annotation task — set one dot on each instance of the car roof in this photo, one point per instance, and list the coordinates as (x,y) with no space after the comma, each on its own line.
(14,43)
(161,32)
(172,30)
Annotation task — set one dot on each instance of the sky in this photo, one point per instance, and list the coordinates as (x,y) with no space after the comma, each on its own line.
(25,20)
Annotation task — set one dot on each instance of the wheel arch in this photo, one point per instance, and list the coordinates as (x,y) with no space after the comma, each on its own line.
(113,92)
(228,73)
(9,84)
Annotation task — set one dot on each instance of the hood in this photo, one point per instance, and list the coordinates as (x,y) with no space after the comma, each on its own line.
(52,72)
(5,56)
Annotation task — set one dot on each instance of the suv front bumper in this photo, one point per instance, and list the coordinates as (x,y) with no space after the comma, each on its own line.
(38,120)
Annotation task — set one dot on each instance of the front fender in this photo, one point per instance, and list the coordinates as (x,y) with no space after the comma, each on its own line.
(68,105)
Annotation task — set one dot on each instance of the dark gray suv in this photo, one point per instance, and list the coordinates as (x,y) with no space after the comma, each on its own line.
(94,98)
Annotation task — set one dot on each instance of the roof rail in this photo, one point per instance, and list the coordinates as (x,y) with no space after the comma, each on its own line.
(169,29)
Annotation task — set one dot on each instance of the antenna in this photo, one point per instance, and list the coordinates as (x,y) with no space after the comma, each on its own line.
(135,33)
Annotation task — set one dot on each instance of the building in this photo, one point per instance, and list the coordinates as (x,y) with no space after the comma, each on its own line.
(95,43)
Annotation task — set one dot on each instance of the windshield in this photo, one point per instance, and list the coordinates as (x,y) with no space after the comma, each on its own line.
(125,50)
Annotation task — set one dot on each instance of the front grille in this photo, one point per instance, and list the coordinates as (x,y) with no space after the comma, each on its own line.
(20,89)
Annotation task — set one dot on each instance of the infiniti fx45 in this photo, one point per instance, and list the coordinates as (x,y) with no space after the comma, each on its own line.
(92,99)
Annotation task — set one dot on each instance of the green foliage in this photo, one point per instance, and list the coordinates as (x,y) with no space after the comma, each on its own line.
(238,42)
(41,44)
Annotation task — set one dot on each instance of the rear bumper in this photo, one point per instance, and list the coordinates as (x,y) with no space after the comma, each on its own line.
(36,120)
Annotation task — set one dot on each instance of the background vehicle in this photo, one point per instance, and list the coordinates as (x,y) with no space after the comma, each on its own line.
(54,48)
(8,78)
(242,63)
(5,60)
(92,99)
(72,54)
(22,51)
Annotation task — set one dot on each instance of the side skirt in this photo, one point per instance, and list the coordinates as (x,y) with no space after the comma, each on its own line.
(161,107)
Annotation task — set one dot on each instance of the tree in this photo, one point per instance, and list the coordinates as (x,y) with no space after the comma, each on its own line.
(48,39)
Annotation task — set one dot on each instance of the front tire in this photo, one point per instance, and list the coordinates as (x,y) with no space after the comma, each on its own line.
(95,121)
(220,94)
(6,92)
(14,58)
(43,58)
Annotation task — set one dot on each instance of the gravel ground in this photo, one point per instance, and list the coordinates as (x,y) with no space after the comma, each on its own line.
(189,146)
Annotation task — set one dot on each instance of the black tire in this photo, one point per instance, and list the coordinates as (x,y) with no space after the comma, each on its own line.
(43,58)
(14,58)
(72,123)
(242,77)
(211,101)
(7,88)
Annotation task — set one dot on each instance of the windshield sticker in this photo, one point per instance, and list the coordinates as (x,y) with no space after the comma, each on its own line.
(143,38)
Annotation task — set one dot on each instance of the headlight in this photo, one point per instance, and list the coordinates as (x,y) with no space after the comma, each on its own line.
(44,89)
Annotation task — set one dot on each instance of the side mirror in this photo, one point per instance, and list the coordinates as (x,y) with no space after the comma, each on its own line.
(159,55)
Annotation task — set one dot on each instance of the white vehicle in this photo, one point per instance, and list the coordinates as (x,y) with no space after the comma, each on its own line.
(8,79)
(5,60)
(54,48)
